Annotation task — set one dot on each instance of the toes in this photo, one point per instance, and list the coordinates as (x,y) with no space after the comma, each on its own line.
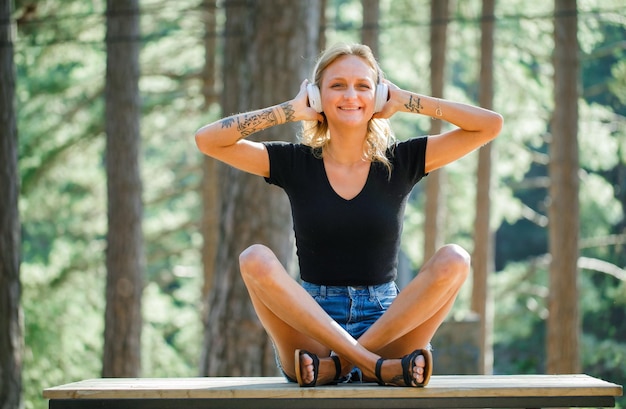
(308,373)
(418,375)
(306,360)
(418,369)
(306,365)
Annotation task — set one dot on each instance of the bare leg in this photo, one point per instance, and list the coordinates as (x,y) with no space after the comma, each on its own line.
(421,307)
(293,319)
(418,311)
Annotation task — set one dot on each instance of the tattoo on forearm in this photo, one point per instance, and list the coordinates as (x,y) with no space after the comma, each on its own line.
(414,105)
(251,123)
(227,122)
(288,110)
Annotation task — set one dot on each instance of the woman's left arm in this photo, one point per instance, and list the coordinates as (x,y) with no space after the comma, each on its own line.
(475,126)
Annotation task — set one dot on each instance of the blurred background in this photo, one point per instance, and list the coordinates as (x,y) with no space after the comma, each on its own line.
(120,240)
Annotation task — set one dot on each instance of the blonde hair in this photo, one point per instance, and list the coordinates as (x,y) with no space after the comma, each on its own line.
(379,134)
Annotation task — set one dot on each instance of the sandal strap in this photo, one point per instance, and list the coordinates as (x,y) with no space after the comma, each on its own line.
(337,362)
(408,362)
(316,366)
(379,365)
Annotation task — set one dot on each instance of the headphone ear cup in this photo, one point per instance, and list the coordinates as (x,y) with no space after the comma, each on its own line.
(382,94)
(315,99)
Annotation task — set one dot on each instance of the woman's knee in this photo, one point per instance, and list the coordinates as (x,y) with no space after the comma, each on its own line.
(255,256)
(256,260)
(452,263)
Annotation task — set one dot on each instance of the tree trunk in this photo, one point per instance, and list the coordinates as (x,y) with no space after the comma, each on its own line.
(124,256)
(270,47)
(434,211)
(370,30)
(321,38)
(482,257)
(11,338)
(209,77)
(209,187)
(564,322)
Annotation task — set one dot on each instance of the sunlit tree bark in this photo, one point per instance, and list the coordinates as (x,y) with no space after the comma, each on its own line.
(434,212)
(209,187)
(124,255)
(269,48)
(371,29)
(321,39)
(564,318)
(482,256)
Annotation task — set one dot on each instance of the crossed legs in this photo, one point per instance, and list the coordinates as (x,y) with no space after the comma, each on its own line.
(294,320)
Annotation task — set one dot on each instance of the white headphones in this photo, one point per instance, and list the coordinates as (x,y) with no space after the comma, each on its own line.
(315,99)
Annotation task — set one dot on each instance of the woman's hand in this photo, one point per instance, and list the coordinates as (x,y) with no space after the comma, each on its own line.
(393,101)
(302,109)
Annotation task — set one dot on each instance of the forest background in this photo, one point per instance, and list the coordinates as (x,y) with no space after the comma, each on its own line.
(60,61)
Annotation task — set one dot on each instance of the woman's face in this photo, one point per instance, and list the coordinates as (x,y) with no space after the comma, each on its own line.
(348,91)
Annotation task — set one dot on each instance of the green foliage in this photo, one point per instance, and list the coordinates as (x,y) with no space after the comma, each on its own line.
(60,58)
(63,326)
(172,329)
(60,62)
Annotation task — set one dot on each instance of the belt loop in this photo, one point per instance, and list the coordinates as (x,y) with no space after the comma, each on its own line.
(372,290)
(323,291)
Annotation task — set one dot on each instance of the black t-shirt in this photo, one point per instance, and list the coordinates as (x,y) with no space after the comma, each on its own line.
(347,242)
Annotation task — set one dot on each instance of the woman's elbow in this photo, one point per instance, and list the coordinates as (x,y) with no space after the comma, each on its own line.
(199,142)
(494,125)
(202,142)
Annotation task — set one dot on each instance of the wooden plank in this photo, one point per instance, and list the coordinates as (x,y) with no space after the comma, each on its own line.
(462,387)
(353,403)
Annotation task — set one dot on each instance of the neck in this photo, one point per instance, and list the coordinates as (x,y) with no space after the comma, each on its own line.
(345,151)
(346,144)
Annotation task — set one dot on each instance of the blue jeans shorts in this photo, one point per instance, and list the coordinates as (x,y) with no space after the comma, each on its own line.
(354,308)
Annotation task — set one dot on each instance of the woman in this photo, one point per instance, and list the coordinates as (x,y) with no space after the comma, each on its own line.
(348,182)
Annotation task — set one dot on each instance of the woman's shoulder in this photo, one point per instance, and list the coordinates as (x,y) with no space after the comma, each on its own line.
(409,146)
(417,140)
(289,161)
(408,159)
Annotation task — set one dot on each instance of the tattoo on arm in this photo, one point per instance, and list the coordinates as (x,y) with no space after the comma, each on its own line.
(414,105)
(288,111)
(251,123)
(227,122)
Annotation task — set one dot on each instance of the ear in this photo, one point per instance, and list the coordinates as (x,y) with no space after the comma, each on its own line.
(315,99)
(382,95)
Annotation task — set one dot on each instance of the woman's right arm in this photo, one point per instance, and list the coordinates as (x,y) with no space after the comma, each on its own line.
(225,139)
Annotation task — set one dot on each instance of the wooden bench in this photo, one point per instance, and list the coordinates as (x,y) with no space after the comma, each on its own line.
(462,391)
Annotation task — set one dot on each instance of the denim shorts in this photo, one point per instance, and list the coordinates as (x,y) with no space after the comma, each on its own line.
(354,308)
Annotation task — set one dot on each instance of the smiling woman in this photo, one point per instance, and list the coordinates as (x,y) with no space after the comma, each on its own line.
(348,182)
(367,80)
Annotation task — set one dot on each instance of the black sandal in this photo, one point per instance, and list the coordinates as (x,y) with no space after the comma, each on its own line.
(408,363)
(316,366)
